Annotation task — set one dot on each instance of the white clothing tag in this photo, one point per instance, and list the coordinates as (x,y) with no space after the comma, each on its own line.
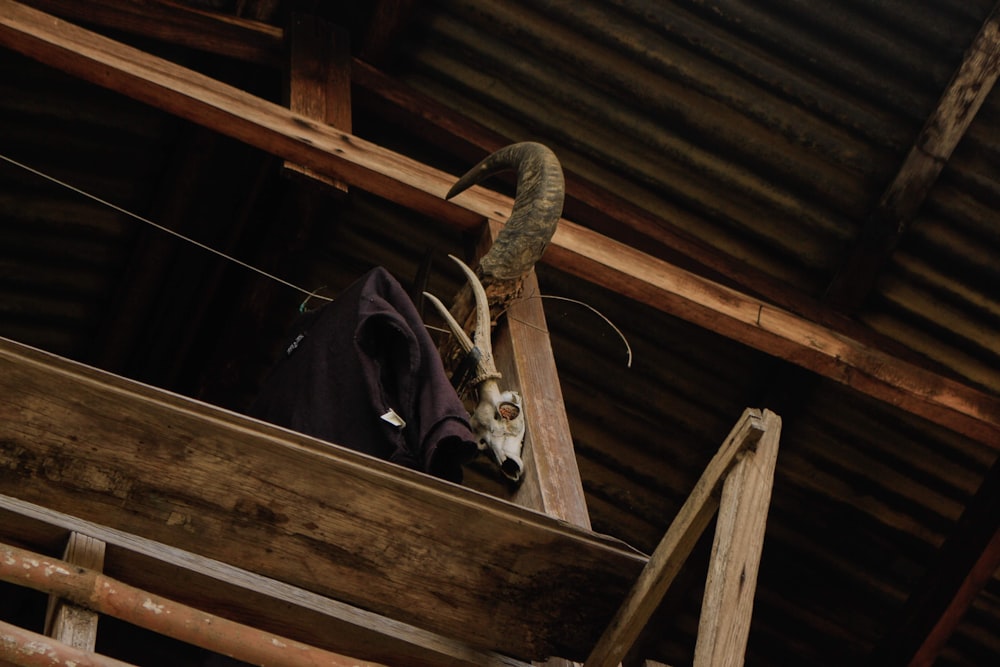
(393,419)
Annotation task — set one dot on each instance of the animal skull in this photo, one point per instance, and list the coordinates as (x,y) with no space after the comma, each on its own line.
(498,419)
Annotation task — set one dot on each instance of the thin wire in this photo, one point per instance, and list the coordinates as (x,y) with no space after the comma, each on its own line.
(53,179)
(628,348)
(310,294)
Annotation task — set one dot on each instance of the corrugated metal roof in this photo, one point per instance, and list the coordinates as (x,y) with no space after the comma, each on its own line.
(765,132)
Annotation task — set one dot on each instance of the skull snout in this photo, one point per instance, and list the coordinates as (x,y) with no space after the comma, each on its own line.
(499,422)
(511,469)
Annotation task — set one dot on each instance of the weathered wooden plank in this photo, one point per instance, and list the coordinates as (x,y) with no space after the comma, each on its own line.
(944,128)
(523,353)
(963,566)
(319,79)
(577,250)
(765,327)
(302,511)
(551,480)
(675,546)
(980,574)
(176,23)
(948,123)
(739,538)
(66,622)
(246,597)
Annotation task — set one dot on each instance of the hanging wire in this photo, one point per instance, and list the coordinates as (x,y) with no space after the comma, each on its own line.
(309,293)
(628,348)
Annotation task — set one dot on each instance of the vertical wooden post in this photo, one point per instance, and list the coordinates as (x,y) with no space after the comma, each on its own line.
(319,79)
(523,353)
(739,538)
(67,622)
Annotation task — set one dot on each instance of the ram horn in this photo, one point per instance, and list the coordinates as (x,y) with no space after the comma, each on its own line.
(538,203)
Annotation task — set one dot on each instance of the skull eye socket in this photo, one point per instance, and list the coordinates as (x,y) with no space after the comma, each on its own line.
(508,411)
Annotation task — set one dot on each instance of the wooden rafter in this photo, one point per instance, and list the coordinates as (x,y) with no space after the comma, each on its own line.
(242,39)
(744,469)
(577,250)
(586,201)
(931,151)
(964,565)
(920,163)
(970,556)
(523,351)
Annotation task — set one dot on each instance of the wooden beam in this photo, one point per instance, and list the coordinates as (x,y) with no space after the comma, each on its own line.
(599,208)
(551,481)
(775,331)
(246,597)
(964,565)
(300,510)
(523,352)
(932,149)
(739,539)
(67,622)
(673,550)
(979,575)
(574,249)
(173,22)
(319,79)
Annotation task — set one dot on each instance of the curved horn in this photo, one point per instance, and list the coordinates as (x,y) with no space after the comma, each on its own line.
(537,208)
(487,366)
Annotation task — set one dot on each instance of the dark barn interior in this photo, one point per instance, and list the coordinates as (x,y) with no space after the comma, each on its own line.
(833,169)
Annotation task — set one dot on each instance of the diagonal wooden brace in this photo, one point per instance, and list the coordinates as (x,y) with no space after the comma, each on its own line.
(743,467)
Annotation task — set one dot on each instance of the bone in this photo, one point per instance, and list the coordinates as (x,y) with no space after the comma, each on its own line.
(498,418)
(487,368)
